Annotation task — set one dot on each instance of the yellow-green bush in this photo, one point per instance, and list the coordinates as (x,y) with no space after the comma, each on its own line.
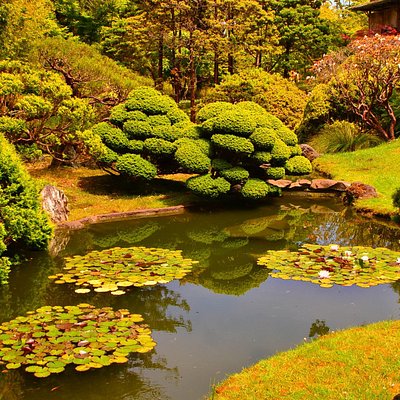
(206,186)
(135,166)
(255,189)
(298,165)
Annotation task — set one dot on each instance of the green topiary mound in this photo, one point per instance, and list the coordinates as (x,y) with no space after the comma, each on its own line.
(141,134)
(22,219)
(248,146)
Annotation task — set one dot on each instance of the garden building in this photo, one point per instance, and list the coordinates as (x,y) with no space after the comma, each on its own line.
(381,14)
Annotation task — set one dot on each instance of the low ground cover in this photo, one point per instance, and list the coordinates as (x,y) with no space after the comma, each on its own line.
(378,166)
(359,363)
(93,191)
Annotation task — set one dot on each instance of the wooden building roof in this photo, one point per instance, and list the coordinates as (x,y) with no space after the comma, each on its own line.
(375,5)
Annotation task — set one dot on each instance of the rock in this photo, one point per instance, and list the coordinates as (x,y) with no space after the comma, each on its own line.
(322,184)
(359,190)
(309,152)
(304,182)
(55,203)
(340,186)
(295,185)
(280,183)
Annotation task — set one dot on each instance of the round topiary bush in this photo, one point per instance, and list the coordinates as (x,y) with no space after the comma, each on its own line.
(264,138)
(112,137)
(280,152)
(207,186)
(276,173)
(298,165)
(235,122)
(255,189)
(262,157)
(213,110)
(159,147)
(219,164)
(190,156)
(137,129)
(235,174)
(231,143)
(135,166)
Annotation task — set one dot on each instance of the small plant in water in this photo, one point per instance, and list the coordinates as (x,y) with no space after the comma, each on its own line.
(118,268)
(47,340)
(329,265)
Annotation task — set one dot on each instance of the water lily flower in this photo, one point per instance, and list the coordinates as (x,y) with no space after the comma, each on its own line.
(365,258)
(324,274)
(334,247)
(347,253)
(82,352)
(398,261)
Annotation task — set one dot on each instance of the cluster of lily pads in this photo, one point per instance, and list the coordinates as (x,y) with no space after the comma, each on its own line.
(118,268)
(47,340)
(332,264)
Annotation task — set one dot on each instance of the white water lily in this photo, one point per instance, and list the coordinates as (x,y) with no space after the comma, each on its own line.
(334,247)
(398,261)
(365,258)
(82,352)
(348,253)
(324,274)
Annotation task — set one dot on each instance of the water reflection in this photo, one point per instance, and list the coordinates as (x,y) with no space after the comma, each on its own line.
(224,315)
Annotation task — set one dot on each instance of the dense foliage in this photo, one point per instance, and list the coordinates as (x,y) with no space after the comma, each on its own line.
(22,221)
(144,133)
(277,95)
(248,146)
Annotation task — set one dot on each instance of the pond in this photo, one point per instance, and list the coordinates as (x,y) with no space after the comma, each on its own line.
(226,314)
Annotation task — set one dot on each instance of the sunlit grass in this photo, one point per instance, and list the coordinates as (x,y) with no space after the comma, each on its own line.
(359,363)
(93,191)
(378,166)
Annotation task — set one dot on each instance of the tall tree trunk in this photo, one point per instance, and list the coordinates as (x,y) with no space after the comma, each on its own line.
(159,83)
(230,55)
(193,79)
(216,68)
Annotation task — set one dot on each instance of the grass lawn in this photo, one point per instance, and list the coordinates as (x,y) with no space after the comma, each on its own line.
(378,166)
(359,363)
(93,191)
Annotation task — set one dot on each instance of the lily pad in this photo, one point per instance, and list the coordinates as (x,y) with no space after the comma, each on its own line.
(47,340)
(333,264)
(113,269)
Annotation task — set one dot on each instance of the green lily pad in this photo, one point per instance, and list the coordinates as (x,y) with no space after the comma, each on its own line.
(332,264)
(80,335)
(116,268)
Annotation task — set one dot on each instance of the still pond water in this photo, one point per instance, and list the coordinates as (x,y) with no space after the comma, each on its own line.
(225,315)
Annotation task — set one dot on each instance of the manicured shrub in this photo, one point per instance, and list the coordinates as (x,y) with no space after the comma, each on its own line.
(268,121)
(135,166)
(22,220)
(280,152)
(287,136)
(233,144)
(207,127)
(219,164)
(192,159)
(112,137)
(255,189)
(262,157)
(276,173)
(207,186)
(213,110)
(158,120)
(134,146)
(138,129)
(118,115)
(295,150)
(159,147)
(235,122)
(109,157)
(298,165)
(153,105)
(250,106)
(169,133)
(189,130)
(235,174)
(177,116)
(263,138)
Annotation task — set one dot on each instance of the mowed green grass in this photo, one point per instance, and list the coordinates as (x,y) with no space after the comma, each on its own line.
(378,166)
(357,364)
(93,191)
